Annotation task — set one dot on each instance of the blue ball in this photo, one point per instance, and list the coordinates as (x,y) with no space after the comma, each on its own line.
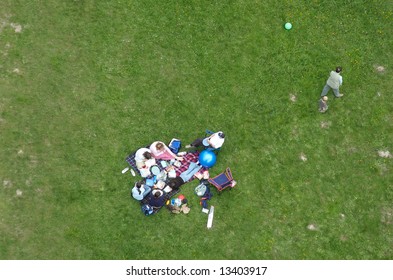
(207,158)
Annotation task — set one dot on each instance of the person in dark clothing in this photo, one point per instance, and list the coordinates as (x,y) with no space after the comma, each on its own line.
(175,183)
(157,199)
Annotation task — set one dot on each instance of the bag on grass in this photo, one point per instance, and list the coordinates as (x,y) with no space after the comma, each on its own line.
(175,145)
(147,209)
(173,209)
(200,189)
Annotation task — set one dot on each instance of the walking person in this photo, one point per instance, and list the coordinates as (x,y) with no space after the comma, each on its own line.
(334,82)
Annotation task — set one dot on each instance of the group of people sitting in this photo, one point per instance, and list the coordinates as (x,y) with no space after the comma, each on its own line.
(146,158)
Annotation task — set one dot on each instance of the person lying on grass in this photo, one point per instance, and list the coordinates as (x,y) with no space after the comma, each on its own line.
(161,151)
(215,141)
(194,170)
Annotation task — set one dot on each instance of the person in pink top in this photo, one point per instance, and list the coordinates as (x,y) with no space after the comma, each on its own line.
(161,151)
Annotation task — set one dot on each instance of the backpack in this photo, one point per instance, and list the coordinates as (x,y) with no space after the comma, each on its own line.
(200,190)
(147,209)
(175,145)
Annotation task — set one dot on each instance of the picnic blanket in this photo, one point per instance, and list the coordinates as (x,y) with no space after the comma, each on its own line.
(131,161)
(187,159)
(167,197)
(185,163)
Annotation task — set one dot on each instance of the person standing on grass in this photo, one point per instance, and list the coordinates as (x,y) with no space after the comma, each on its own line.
(323,104)
(334,82)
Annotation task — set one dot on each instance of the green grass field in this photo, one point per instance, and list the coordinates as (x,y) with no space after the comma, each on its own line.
(83,83)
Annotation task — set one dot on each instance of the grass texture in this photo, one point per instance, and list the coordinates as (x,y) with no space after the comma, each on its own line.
(84,83)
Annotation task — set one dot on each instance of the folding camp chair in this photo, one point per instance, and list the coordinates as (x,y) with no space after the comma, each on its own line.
(223,181)
(207,134)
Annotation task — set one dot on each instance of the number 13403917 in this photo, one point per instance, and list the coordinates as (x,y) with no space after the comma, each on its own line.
(238,270)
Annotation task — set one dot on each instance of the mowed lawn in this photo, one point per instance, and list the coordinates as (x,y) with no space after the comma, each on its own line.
(85,83)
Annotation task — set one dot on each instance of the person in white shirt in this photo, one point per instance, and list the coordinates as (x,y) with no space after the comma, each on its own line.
(144,160)
(334,82)
(215,141)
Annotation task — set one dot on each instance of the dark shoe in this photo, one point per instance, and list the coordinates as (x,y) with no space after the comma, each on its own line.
(204,181)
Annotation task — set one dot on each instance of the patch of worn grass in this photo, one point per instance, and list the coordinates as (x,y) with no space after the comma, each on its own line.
(96,81)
